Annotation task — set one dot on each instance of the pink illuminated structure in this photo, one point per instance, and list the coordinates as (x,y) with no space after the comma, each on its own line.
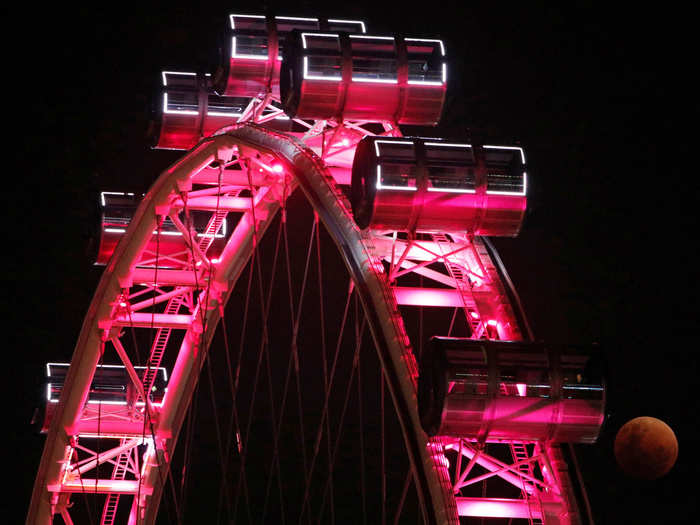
(480,431)
(379,78)
(498,390)
(254,47)
(413,184)
(187,109)
(170,242)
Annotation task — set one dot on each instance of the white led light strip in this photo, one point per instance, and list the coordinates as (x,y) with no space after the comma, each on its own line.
(375,80)
(103,193)
(165,73)
(448,145)
(337,21)
(324,35)
(377,142)
(296,18)
(369,37)
(233,24)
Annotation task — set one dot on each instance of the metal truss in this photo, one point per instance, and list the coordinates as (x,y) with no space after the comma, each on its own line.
(246,173)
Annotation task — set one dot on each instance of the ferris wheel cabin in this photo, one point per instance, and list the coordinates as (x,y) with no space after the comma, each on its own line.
(186,108)
(419,184)
(111,388)
(254,48)
(359,77)
(169,244)
(501,390)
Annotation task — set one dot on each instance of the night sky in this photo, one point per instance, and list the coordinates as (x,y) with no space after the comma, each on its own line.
(599,100)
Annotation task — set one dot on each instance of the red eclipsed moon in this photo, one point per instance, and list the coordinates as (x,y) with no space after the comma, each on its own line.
(646,448)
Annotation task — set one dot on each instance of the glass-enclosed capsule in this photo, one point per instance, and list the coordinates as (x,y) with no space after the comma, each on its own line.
(186,108)
(118,209)
(501,390)
(360,77)
(253,48)
(111,388)
(421,184)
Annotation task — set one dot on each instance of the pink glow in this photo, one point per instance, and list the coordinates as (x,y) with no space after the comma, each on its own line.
(522,389)
(473,314)
(428,297)
(277,168)
(495,508)
(492,322)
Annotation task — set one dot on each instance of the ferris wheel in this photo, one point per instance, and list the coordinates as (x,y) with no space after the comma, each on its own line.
(372,361)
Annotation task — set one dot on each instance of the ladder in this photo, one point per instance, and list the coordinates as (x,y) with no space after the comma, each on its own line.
(519,452)
(109,510)
(464,286)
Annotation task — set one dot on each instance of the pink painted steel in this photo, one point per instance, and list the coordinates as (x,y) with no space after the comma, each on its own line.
(358,77)
(497,508)
(523,418)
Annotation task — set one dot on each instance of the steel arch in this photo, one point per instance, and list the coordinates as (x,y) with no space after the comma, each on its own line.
(430,474)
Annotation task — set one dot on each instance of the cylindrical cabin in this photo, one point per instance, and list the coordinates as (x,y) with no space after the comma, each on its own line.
(118,209)
(420,184)
(186,109)
(359,77)
(502,390)
(253,48)
(111,388)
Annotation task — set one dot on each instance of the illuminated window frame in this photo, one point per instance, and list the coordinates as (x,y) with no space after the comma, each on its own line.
(94,402)
(223,228)
(103,193)
(444,65)
(336,78)
(450,145)
(233,24)
(376,80)
(339,21)
(379,185)
(522,158)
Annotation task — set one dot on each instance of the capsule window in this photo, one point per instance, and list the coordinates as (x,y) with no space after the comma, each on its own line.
(179,80)
(397,165)
(505,172)
(250,46)
(182,102)
(425,61)
(373,59)
(323,60)
(451,167)
(226,106)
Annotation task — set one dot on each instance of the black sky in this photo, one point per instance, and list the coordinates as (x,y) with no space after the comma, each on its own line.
(599,99)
